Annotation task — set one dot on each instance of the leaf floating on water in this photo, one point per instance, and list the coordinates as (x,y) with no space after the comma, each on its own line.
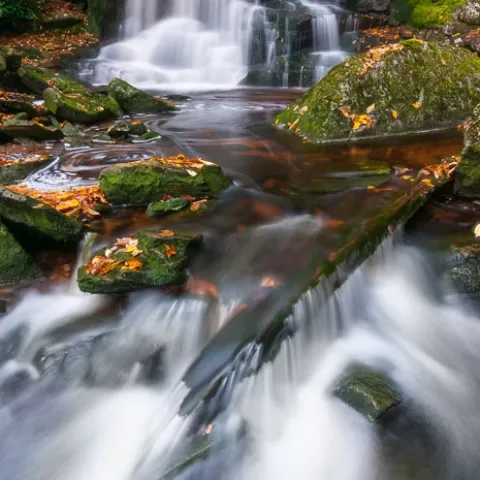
(170,251)
(476,230)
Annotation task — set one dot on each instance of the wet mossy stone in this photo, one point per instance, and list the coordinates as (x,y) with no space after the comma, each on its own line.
(38,218)
(147,181)
(11,172)
(371,393)
(124,129)
(19,127)
(134,100)
(163,261)
(16,265)
(467,174)
(164,207)
(406,87)
(39,79)
(462,267)
(17,103)
(431,13)
(12,56)
(81,107)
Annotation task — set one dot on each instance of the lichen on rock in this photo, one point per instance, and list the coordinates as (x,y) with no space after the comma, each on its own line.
(401,88)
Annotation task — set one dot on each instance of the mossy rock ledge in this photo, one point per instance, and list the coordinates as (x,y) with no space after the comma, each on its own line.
(153,258)
(467,174)
(39,79)
(16,170)
(37,218)
(370,392)
(407,87)
(134,100)
(146,181)
(16,265)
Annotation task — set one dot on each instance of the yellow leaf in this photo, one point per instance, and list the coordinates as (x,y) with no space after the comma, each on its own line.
(394,114)
(370,108)
(345,112)
(416,105)
(68,205)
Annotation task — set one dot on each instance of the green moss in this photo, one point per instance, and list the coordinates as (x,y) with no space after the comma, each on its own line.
(16,265)
(133,100)
(164,260)
(440,80)
(39,79)
(159,209)
(369,392)
(81,107)
(17,104)
(147,181)
(18,127)
(38,218)
(428,13)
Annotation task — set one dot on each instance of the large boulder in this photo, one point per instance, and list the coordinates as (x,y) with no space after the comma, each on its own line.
(401,88)
(151,258)
(147,181)
(37,218)
(16,169)
(467,175)
(81,107)
(39,79)
(468,13)
(19,126)
(16,264)
(371,393)
(133,100)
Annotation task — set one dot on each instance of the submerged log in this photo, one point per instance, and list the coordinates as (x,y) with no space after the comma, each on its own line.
(356,227)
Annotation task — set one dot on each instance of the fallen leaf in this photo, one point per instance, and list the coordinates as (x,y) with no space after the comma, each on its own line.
(165,234)
(170,251)
(133,264)
(370,108)
(195,206)
(416,105)
(394,114)
(476,230)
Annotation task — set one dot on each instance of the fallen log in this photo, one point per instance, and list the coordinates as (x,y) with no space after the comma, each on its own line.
(354,229)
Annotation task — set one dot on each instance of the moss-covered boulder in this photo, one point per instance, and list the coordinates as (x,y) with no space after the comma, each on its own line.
(16,169)
(369,392)
(150,258)
(147,181)
(81,107)
(467,176)
(462,267)
(16,103)
(39,79)
(12,57)
(37,218)
(19,126)
(125,129)
(133,100)
(16,265)
(432,13)
(401,88)
(165,207)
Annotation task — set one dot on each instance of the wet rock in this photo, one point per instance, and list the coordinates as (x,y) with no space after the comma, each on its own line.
(81,107)
(125,129)
(70,130)
(147,181)
(16,170)
(35,217)
(133,100)
(11,343)
(462,267)
(16,265)
(467,178)
(160,209)
(152,258)
(368,6)
(401,88)
(468,13)
(39,79)
(371,393)
(17,103)
(175,97)
(12,58)
(149,136)
(19,127)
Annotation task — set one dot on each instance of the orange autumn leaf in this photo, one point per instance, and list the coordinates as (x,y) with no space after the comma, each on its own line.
(170,251)
(165,234)
(202,287)
(195,206)
(101,265)
(68,205)
(133,264)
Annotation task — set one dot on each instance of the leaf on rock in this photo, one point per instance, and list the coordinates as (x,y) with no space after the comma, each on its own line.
(394,114)
(195,206)
(133,264)
(101,265)
(170,251)
(165,234)
(370,108)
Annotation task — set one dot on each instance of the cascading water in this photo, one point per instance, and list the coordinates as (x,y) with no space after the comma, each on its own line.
(211,44)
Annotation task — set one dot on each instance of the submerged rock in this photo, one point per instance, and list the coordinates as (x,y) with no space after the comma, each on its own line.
(467,177)
(81,107)
(401,88)
(35,217)
(17,103)
(125,129)
(18,169)
(160,209)
(371,393)
(152,258)
(16,265)
(133,100)
(19,126)
(39,79)
(147,181)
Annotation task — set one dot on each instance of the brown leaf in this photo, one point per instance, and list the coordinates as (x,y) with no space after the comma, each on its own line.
(170,251)
(195,206)
(165,234)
